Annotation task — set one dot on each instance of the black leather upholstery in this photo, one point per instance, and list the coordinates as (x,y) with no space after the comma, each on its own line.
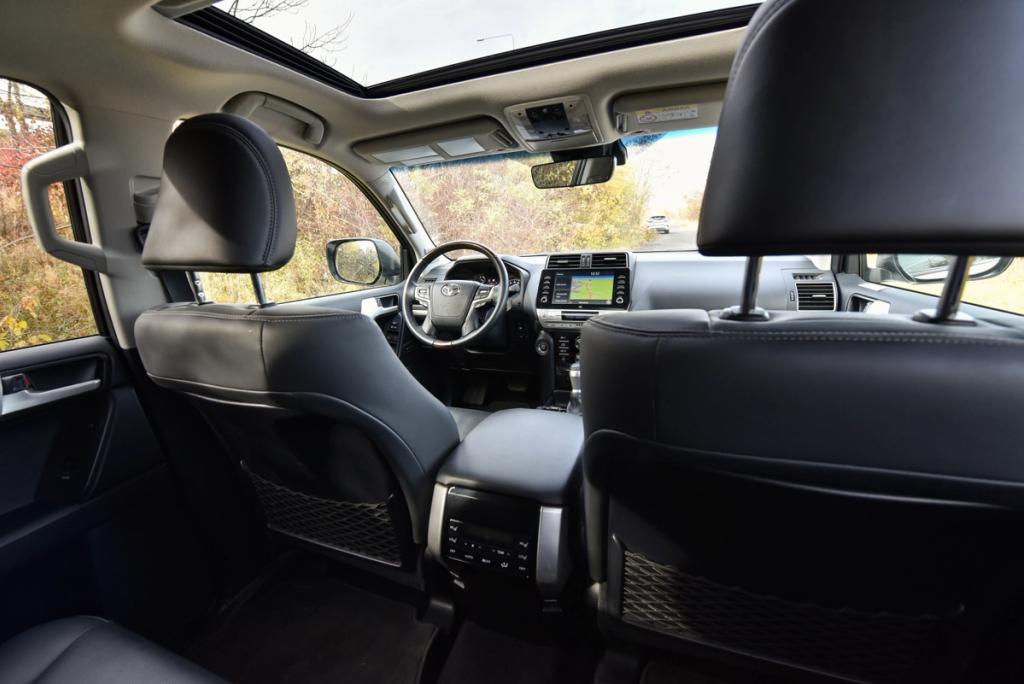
(88,650)
(466,419)
(303,359)
(225,200)
(340,442)
(838,492)
(871,125)
(848,483)
(529,453)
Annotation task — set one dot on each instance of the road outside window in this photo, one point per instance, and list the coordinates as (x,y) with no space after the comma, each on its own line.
(652,203)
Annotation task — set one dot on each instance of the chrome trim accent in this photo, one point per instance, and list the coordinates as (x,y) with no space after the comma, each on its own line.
(371,308)
(835,295)
(552,318)
(552,550)
(30,398)
(435,523)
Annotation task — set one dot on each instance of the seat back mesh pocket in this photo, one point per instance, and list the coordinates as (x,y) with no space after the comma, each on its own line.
(362,529)
(875,647)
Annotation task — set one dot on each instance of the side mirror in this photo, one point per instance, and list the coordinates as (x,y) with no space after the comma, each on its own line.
(363,261)
(933,268)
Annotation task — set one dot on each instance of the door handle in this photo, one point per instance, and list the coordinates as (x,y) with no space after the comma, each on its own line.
(12,402)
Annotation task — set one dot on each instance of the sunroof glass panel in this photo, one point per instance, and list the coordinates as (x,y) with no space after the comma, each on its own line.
(373,42)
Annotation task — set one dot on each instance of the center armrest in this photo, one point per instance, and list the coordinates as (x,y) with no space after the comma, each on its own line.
(528,453)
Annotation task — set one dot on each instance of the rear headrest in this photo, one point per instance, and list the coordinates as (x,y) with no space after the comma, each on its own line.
(872,125)
(225,200)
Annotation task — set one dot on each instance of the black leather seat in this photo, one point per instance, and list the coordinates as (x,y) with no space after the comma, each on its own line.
(89,650)
(340,442)
(836,492)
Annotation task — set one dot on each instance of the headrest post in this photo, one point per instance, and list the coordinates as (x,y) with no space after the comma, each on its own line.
(747,309)
(196,285)
(948,308)
(750,282)
(261,294)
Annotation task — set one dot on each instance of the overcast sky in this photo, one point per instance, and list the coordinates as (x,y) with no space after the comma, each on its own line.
(392,38)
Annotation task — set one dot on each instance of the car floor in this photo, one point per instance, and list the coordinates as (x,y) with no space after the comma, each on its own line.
(307,624)
(306,621)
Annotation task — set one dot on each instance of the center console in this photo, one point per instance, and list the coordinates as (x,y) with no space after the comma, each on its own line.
(574,288)
(500,511)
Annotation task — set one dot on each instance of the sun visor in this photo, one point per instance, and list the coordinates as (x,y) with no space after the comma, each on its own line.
(674,109)
(463,140)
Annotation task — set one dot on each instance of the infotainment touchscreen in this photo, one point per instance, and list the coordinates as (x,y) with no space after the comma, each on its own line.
(594,288)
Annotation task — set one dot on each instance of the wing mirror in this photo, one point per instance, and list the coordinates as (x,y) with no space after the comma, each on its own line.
(933,268)
(363,261)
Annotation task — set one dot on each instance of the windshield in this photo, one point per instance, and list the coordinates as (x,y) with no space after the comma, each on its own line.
(650,204)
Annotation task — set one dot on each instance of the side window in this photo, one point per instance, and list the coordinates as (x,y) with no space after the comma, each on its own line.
(42,299)
(328,206)
(995,282)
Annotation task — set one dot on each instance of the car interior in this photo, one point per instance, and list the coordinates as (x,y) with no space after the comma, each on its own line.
(610,342)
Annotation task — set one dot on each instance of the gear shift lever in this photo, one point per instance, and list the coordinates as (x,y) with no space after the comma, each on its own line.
(576,397)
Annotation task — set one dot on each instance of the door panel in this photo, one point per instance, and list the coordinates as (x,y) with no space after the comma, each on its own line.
(90,518)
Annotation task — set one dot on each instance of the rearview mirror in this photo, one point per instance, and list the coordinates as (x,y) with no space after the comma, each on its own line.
(363,261)
(933,268)
(569,174)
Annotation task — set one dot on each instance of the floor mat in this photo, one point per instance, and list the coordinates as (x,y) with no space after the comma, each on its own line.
(314,629)
(481,655)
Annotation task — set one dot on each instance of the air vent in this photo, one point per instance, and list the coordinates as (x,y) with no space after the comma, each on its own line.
(610,260)
(816,296)
(565,260)
(806,276)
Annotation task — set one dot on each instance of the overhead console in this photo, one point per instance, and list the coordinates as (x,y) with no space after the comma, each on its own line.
(463,140)
(555,124)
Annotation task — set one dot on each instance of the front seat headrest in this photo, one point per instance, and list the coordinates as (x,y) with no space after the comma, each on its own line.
(853,126)
(225,201)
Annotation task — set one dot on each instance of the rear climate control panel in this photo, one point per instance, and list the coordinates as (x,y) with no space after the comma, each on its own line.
(490,531)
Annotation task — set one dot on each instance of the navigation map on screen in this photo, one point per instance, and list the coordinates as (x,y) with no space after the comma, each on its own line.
(592,288)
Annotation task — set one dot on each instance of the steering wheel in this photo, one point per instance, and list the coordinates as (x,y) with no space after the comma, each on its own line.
(452,305)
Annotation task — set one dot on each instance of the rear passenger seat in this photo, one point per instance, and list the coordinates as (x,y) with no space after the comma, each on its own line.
(89,650)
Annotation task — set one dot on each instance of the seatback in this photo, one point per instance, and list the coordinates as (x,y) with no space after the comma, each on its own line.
(338,440)
(841,492)
(767,489)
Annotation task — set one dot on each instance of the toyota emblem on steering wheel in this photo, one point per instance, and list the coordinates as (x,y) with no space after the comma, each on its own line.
(450,289)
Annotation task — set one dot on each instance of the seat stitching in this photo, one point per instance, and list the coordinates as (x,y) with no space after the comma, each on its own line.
(821,336)
(250,317)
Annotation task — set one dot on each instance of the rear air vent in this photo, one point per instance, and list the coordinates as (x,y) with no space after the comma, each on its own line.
(565,260)
(816,296)
(610,260)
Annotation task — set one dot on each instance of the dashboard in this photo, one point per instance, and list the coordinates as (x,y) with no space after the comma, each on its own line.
(482,272)
(553,295)
(637,281)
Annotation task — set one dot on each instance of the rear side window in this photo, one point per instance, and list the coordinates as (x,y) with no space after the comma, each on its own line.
(42,299)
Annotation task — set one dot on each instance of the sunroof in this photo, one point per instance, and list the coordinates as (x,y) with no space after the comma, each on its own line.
(374,42)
